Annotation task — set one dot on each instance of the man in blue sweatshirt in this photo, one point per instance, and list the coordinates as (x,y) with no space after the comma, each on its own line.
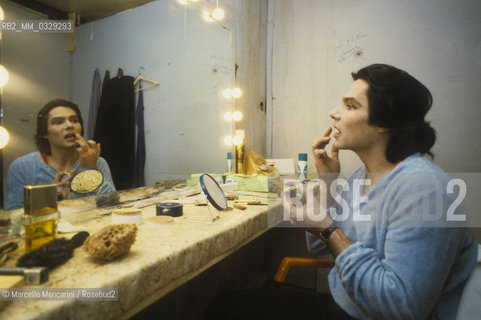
(399,254)
(61,151)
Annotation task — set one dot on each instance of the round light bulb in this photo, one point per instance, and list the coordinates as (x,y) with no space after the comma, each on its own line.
(2,14)
(228,140)
(236,93)
(237,116)
(207,17)
(228,116)
(4,137)
(3,76)
(237,140)
(218,14)
(227,93)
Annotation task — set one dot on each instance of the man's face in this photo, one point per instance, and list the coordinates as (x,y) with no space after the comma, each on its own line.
(351,120)
(62,126)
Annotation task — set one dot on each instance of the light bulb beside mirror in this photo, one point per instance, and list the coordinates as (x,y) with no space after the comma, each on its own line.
(2,14)
(236,93)
(233,116)
(237,116)
(228,140)
(237,140)
(218,14)
(207,16)
(230,93)
(227,93)
(3,76)
(4,137)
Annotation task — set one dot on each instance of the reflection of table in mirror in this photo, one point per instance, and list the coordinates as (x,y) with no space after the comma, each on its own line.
(161,259)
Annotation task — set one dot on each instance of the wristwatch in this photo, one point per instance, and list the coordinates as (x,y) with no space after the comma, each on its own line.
(326,233)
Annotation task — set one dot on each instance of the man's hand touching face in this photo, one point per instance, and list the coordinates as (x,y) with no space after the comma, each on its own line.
(89,152)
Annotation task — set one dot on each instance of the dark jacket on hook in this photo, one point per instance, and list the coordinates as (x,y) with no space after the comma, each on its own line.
(115,128)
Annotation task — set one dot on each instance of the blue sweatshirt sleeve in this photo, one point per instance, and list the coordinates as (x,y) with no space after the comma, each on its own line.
(14,186)
(108,184)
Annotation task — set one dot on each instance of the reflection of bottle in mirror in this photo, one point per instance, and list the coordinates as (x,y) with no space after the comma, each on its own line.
(302,167)
(63,192)
(273,180)
(239,141)
(229,162)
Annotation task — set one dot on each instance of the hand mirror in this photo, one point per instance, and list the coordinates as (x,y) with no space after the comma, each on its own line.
(86,180)
(213,191)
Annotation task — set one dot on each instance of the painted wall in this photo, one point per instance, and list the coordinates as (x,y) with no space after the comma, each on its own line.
(316,44)
(192,60)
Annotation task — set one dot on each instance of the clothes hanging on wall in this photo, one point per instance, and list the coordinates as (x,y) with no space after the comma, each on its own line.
(139,178)
(94,103)
(106,78)
(115,128)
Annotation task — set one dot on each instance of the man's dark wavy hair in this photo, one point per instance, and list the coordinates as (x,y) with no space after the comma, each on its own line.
(42,122)
(399,103)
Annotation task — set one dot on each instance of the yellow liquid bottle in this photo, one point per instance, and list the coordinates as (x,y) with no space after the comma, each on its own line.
(39,229)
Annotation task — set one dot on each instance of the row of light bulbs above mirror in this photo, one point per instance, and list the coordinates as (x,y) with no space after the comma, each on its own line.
(216,15)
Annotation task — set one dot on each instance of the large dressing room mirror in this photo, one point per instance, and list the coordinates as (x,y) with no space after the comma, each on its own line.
(191,59)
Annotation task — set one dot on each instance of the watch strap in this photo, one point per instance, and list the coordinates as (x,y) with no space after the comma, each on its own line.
(326,233)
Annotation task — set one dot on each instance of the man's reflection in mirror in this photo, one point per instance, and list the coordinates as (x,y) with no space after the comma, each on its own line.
(62,151)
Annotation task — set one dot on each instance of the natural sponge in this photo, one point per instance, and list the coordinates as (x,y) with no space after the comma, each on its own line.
(112,241)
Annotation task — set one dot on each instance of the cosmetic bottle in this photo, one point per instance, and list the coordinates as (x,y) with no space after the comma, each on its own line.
(302,167)
(239,141)
(229,162)
(40,215)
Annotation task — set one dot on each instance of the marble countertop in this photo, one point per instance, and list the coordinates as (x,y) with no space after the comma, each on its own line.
(161,259)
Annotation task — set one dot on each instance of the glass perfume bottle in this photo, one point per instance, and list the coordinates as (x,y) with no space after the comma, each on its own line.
(40,215)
